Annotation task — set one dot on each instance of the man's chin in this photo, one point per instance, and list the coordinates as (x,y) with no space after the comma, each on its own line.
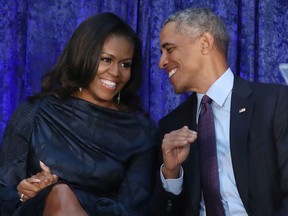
(178,90)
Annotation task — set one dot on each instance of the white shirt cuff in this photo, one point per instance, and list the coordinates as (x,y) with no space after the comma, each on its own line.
(173,186)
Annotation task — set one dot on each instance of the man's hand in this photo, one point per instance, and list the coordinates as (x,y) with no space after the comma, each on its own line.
(175,149)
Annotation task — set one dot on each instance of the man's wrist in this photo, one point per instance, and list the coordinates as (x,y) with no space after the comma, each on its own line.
(173,186)
(171,173)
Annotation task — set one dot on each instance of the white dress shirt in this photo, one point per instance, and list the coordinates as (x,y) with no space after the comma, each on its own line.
(220,92)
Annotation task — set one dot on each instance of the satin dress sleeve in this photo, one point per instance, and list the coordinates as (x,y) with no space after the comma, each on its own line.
(14,156)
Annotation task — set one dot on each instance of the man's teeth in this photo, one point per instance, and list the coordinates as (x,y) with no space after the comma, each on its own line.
(109,83)
(172,72)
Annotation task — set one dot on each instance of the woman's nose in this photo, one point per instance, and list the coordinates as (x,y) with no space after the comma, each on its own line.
(114,70)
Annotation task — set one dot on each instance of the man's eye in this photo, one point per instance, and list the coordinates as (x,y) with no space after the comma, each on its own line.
(108,60)
(170,49)
(126,65)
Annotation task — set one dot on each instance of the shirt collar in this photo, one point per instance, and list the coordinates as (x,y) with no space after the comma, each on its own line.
(220,89)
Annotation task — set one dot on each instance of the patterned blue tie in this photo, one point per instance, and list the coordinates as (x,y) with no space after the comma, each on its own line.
(208,160)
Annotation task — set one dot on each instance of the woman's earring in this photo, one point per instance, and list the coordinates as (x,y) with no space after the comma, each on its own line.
(118,98)
(80,89)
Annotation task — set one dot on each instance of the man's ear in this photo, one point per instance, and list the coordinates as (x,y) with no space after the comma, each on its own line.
(207,42)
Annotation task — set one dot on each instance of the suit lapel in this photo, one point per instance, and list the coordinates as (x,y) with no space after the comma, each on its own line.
(240,120)
(187,114)
(191,165)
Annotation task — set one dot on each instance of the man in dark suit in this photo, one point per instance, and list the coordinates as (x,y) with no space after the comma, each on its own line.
(250,119)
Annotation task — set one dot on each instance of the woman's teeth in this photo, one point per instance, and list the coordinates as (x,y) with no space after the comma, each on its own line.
(108,83)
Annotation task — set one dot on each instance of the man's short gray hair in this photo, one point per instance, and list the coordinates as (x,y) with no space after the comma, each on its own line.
(195,21)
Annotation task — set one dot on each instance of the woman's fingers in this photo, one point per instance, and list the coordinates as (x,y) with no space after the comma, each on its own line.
(33,179)
(27,188)
(44,167)
(55,178)
(46,172)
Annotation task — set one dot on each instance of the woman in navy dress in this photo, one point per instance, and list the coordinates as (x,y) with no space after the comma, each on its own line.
(82,146)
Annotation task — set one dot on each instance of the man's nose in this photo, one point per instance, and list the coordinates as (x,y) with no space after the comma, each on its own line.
(163,61)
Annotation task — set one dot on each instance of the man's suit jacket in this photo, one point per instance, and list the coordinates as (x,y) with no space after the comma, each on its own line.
(259,151)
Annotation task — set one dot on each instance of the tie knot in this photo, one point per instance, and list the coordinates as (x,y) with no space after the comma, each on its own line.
(206,99)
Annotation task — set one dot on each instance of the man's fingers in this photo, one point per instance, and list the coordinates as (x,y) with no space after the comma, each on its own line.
(179,137)
(183,132)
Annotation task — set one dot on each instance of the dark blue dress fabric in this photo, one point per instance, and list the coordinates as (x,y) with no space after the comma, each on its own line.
(106,156)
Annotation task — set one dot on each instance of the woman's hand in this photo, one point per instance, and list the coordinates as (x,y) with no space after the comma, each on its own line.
(29,187)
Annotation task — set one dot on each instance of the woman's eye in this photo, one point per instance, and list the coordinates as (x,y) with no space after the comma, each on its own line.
(126,65)
(108,60)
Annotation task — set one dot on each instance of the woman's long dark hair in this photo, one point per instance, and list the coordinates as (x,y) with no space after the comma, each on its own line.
(78,64)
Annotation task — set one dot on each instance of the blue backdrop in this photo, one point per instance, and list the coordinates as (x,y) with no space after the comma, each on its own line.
(33,33)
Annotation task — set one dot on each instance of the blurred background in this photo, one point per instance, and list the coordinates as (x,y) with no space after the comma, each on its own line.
(34,32)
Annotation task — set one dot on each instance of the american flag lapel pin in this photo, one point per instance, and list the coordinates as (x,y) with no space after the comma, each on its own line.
(242,110)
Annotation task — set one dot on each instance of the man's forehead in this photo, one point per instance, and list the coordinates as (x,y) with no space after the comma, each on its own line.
(170,26)
(174,30)
(168,32)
